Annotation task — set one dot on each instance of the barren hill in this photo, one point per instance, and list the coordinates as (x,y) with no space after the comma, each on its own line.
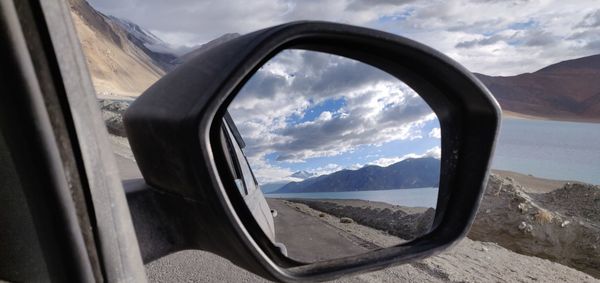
(123,58)
(568,90)
(117,65)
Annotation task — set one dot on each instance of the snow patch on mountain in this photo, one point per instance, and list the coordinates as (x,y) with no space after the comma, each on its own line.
(303,175)
(149,39)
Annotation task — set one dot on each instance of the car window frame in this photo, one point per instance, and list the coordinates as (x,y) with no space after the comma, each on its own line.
(105,248)
(233,159)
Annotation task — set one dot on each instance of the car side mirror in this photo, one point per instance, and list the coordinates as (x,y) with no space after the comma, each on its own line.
(183,141)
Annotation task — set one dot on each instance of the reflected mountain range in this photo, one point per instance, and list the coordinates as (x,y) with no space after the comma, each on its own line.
(408,173)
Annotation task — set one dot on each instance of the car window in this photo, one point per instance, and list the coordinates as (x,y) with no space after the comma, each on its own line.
(247,176)
(232,160)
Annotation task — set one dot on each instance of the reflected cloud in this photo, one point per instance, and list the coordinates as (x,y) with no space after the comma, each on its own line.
(303,105)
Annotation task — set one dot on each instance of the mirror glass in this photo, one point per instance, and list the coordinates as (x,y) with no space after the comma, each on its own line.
(333,156)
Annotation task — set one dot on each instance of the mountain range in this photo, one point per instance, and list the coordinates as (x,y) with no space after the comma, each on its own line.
(568,90)
(408,173)
(117,64)
(123,58)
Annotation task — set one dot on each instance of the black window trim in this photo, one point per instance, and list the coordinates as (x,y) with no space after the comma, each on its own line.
(236,168)
(116,245)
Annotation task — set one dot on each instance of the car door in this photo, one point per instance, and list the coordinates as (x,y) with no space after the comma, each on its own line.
(247,184)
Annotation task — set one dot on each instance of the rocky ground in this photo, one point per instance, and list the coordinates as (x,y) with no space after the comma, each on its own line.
(562,225)
(112,113)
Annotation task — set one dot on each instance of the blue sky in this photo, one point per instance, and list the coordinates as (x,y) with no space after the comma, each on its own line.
(316,112)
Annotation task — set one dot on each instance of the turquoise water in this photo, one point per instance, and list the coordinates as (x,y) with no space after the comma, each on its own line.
(550,149)
(421,197)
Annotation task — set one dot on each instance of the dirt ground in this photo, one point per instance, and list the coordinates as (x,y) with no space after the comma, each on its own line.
(562,224)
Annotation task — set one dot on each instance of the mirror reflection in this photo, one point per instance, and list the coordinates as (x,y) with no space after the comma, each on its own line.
(333,156)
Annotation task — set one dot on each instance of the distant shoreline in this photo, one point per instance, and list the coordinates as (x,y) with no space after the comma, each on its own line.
(516,115)
(532,183)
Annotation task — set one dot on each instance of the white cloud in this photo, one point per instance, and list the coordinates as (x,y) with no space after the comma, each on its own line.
(386,161)
(506,37)
(267,173)
(435,152)
(304,105)
(374,108)
(435,133)
(517,37)
(324,116)
(211,18)
(355,166)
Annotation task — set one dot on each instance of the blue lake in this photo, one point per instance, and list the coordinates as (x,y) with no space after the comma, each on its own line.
(550,149)
(421,197)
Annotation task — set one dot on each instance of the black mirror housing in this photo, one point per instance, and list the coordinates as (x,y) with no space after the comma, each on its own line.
(173,129)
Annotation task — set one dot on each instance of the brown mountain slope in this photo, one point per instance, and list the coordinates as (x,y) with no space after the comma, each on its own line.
(568,90)
(117,65)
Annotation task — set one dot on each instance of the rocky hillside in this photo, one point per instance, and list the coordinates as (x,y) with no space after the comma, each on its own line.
(161,53)
(123,58)
(117,64)
(409,173)
(562,225)
(567,90)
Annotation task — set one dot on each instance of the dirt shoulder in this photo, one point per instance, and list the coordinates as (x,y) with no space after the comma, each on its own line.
(405,223)
(561,225)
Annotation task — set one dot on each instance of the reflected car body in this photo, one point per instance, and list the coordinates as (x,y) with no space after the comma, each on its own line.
(245,180)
